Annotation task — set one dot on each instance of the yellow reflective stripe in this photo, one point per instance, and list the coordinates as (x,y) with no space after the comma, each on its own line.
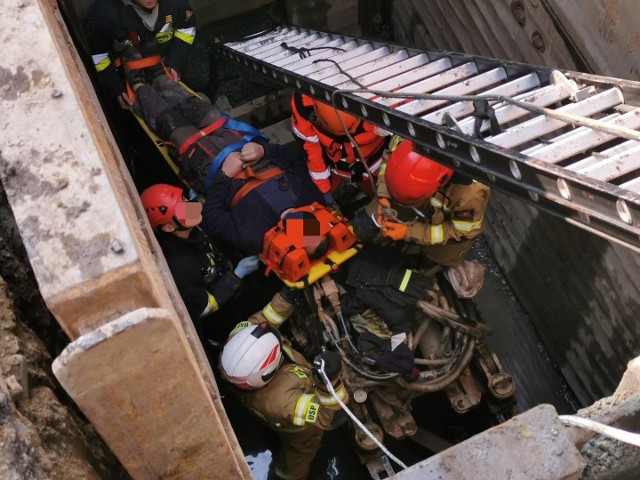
(405,280)
(272,317)
(301,409)
(329,400)
(187,35)
(383,169)
(212,304)
(101,61)
(394,142)
(239,327)
(437,234)
(467,226)
(436,203)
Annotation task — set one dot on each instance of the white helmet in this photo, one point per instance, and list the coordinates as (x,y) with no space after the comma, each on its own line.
(251,357)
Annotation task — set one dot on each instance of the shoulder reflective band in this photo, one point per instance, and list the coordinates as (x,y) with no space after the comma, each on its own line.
(272,316)
(467,226)
(302,405)
(405,280)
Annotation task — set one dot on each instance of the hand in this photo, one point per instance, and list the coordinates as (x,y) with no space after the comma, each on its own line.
(332,366)
(383,205)
(290,294)
(394,231)
(251,153)
(123,101)
(246,266)
(232,165)
(175,75)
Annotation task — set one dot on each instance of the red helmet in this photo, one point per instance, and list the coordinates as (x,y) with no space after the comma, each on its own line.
(329,121)
(159,201)
(412,178)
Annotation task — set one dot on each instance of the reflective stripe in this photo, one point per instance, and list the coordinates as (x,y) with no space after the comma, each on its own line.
(299,134)
(383,169)
(212,305)
(320,175)
(405,280)
(437,234)
(329,400)
(301,409)
(462,226)
(101,61)
(187,35)
(272,317)
(436,203)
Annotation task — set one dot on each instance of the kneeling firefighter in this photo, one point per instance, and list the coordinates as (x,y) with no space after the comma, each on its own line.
(280,387)
(424,203)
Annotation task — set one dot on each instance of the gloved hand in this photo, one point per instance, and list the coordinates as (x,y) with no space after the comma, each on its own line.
(383,204)
(332,366)
(246,266)
(290,294)
(394,231)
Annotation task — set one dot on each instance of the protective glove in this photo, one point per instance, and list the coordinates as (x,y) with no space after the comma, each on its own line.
(290,294)
(394,231)
(383,204)
(332,366)
(246,266)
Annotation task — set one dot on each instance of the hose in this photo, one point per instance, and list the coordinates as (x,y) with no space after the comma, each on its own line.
(325,379)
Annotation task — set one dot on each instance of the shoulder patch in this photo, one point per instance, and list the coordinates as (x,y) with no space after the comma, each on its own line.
(312,412)
(239,327)
(298,372)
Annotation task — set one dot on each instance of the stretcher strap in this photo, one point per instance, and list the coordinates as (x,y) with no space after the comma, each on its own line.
(201,133)
(219,160)
(254,180)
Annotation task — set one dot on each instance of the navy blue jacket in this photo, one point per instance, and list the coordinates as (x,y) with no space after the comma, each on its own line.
(244,226)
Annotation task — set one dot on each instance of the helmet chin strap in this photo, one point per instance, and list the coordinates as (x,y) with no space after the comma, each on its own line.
(180,227)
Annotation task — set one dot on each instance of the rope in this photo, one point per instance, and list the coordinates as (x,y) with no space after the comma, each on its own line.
(602,429)
(320,364)
(571,119)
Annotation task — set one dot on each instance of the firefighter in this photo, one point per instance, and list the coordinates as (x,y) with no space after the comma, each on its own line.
(281,388)
(157,27)
(205,278)
(424,203)
(331,157)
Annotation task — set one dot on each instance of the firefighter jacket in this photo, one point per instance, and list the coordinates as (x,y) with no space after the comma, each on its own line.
(291,401)
(243,224)
(204,277)
(114,25)
(327,154)
(444,225)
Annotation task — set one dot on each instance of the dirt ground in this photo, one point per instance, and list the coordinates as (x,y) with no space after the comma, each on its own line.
(41,437)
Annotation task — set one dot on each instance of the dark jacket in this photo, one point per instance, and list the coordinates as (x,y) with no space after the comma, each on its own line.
(113,26)
(244,226)
(204,278)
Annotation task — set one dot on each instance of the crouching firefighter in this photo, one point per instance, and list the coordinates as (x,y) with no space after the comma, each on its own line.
(281,388)
(421,202)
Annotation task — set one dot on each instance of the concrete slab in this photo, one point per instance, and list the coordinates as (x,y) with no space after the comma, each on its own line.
(531,446)
(137,382)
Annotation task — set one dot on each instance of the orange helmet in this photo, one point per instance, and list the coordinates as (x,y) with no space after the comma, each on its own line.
(412,178)
(329,121)
(159,201)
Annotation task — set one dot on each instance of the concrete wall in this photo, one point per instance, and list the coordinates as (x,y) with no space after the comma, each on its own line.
(580,291)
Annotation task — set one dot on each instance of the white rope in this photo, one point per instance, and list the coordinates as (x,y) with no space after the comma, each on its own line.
(612,432)
(320,364)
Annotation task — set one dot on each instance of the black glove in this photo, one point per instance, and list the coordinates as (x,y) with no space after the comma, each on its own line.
(332,366)
(290,294)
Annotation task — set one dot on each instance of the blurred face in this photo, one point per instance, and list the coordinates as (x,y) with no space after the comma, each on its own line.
(148,4)
(189,214)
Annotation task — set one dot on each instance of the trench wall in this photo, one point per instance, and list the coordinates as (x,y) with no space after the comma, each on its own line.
(580,291)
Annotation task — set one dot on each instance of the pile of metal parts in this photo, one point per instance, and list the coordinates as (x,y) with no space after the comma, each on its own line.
(450,356)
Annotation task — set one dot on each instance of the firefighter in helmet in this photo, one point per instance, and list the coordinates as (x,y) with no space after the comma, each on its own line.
(331,157)
(205,278)
(280,387)
(424,203)
(162,29)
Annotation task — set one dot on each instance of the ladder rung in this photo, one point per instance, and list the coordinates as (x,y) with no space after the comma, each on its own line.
(506,113)
(484,80)
(409,77)
(430,84)
(616,166)
(321,70)
(542,125)
(599,156)
(373,79)
(287,57)
(361,62)
(271,37)
(633,185)
(279,54)
(510,89)
(370,72)
(273,43)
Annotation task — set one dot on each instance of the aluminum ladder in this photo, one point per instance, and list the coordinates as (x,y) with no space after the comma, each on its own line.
(563,141)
